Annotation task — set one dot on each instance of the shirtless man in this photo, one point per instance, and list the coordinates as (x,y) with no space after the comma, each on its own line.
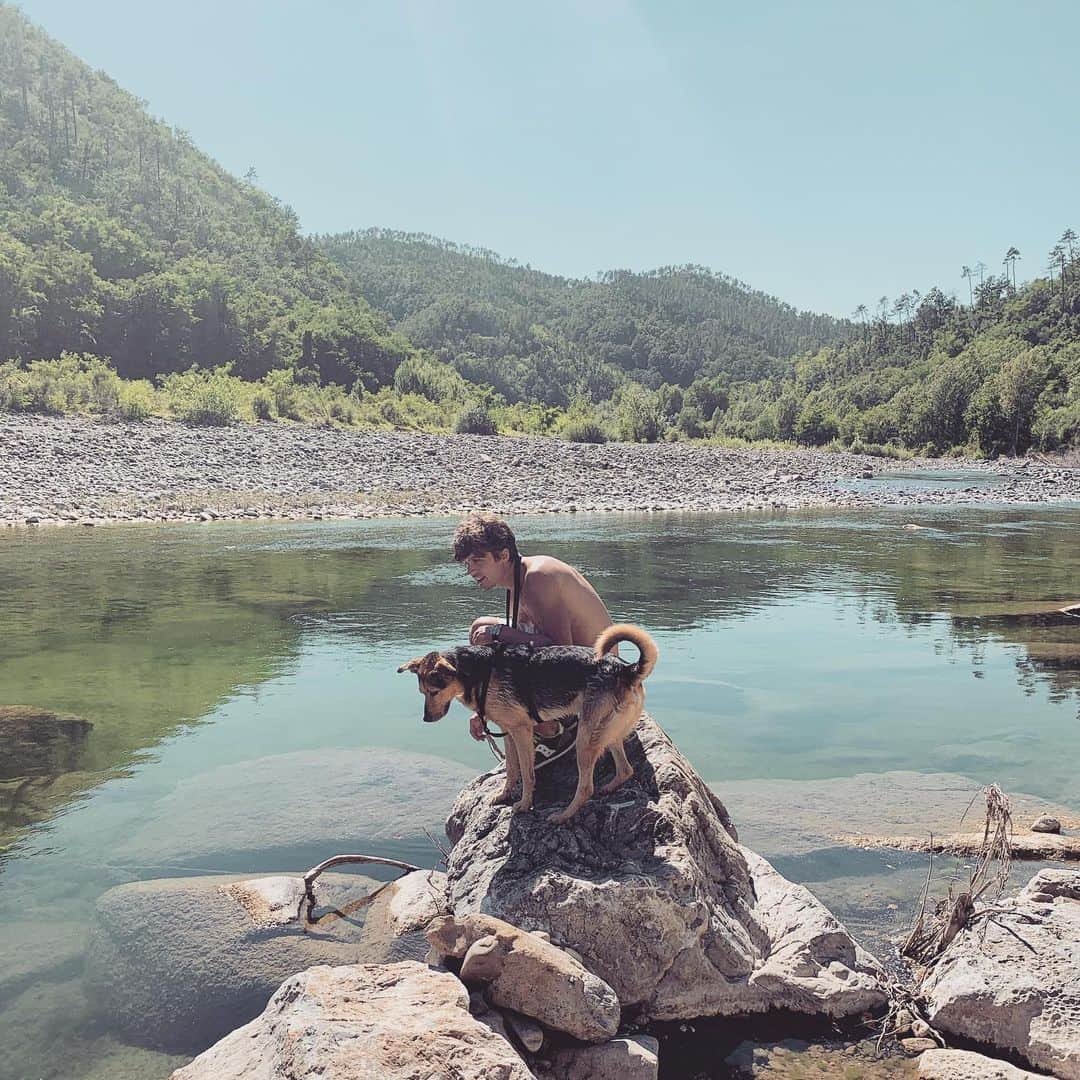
(557,606)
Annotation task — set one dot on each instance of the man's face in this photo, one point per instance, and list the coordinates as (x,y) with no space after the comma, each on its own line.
(486,568)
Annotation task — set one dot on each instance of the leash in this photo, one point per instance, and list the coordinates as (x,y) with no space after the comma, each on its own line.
(497,647)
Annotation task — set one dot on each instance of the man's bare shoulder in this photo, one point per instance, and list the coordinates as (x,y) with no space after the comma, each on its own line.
(550,567)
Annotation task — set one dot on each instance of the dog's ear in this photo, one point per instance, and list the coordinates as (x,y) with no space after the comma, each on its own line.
(445,667)
(413,665)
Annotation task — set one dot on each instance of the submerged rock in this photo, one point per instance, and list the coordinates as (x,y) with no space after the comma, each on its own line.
(1010,980)
(177,963)
(400,1021)
(326,798)
(649,885)
(38,742)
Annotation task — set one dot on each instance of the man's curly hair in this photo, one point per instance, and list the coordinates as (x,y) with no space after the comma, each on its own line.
(480,533)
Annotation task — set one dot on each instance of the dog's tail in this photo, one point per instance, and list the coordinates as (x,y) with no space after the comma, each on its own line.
(638,638)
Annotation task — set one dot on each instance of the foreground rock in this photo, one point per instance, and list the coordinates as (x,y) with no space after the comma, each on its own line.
(965,1065)
(400,1021)
(650,886)
(175,964)
(528,974)
(620,1059)
(1010,981)
(329,800)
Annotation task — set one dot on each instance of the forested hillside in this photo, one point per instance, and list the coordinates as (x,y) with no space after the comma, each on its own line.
(118,237)
(534,336)
(996,375)
(126,251)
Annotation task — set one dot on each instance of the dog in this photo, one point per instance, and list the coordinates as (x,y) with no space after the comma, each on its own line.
(519,686)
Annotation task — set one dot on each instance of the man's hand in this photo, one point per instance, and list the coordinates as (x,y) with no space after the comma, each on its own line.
(480,632)
(476,727)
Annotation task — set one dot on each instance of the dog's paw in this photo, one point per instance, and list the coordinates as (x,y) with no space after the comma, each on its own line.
(560,817)
(504,798)
(522,806)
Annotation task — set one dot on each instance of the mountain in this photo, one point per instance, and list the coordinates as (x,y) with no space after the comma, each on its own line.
(536,336)
(119,237)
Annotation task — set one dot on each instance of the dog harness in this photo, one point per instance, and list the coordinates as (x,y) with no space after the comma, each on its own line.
(530,695)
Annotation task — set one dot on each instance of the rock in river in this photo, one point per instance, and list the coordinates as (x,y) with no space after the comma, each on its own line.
(177,963)
(1010,981)
(328,798)
(400,1021)
(649,885)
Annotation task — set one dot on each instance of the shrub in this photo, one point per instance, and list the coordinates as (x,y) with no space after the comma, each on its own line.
(209,398)
(262,405)
(136,401)
(638,415)
(474,419)
(583,431)
(281,385)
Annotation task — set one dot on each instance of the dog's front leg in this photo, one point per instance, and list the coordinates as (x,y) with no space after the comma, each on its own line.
(521,735)
(513,775)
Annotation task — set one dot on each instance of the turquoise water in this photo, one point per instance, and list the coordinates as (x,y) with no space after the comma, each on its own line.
(226,667)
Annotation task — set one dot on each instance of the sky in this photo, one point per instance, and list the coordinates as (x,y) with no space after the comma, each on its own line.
(825,151)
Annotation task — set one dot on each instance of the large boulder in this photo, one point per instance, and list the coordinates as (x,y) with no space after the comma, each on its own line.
(1009,980)
(400,1021)
(176,963)
(650,886)
(528,974)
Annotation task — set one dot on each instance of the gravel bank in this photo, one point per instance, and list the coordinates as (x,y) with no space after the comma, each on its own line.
(58,470)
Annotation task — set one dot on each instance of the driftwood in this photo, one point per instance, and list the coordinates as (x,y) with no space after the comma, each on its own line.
(1027,845)
(933,931)
(336,860)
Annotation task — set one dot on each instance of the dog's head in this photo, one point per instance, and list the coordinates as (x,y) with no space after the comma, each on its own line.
(439,683)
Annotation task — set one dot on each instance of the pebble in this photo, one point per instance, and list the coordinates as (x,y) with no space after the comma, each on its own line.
(161,471)
(1046,824)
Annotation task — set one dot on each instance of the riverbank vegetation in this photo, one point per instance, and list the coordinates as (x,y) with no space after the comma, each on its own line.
(138,278)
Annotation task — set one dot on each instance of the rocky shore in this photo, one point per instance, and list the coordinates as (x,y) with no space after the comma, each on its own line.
(71,470)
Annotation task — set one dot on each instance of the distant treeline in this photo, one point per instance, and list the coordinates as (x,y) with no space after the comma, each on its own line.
(124,248)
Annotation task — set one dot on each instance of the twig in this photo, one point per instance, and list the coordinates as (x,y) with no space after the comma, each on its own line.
(443,851)
(337,860)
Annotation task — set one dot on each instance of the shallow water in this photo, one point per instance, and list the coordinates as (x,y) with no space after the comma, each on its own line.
(226,668)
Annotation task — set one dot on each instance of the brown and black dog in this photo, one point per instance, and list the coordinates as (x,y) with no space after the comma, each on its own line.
(514,684)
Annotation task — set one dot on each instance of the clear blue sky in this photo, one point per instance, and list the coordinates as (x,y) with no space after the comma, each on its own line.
(828,152)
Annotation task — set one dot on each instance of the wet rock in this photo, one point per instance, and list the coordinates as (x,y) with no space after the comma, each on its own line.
(649,885)
(529,975)
(326,798)
(177,963)
(398,918)
(939,1064)
(1010,981)
(38,742)
(399,1021)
